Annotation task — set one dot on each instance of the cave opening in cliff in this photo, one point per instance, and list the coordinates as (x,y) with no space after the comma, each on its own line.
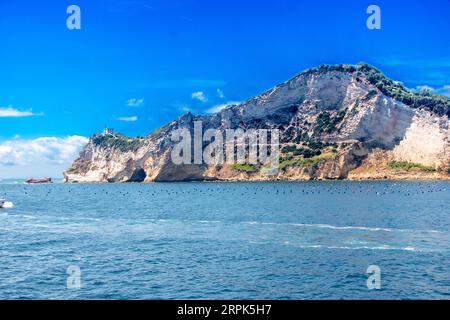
(138,175)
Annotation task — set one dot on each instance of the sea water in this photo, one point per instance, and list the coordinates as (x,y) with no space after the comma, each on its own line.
(306,240)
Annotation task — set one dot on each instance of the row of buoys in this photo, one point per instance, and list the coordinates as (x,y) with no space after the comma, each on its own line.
(274,189)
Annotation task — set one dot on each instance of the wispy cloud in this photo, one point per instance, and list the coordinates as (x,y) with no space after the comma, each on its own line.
(220,94)
(200,96)
(220,107)
(128,119)
(134,102)
(47,150)
(424,87)
(10,112)
(443,90)
(186,108)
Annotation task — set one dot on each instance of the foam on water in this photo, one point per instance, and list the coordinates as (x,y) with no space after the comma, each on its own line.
(328,226)
(359,248)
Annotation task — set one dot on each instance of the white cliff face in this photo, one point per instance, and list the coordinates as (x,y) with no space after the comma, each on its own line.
(370,128)
(326,92)
(426,141)
(97,164)
(382,122)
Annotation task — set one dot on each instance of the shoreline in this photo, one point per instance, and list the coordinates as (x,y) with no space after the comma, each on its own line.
(262,181)
(57,181)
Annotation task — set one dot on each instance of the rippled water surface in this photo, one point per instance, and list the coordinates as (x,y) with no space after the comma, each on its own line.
(224,241)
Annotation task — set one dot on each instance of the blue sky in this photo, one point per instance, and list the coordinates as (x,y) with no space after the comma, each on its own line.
(135,65)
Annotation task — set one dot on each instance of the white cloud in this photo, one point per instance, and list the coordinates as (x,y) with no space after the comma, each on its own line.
(200,96)
(10,112)
(135,102)
(220,107)
(42,157)
(186,109)
(444,90)
(128,119)
(424,87)
(47,150)
(220,94)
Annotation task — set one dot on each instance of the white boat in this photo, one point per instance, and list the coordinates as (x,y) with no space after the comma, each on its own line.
(6,204)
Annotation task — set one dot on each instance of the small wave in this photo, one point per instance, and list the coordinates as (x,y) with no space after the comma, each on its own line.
(377,248)
(87,219)
(208,221)
(411,249)
(78,219)
(328,226)
(45,226)
(322,226)
(24,216)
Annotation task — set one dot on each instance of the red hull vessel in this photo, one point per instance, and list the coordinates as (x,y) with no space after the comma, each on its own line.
(43,180)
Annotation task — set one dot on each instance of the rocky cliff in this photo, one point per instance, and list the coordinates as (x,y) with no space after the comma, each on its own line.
(336,122)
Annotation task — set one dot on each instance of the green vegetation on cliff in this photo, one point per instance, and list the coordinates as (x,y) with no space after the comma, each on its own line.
(305,152)
(327,122)
(244,168)
(407,166)
(118,141)
(157,133)
(304,162)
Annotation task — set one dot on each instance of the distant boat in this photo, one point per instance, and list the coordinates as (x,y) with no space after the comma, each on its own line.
(6,204)
(43,180)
